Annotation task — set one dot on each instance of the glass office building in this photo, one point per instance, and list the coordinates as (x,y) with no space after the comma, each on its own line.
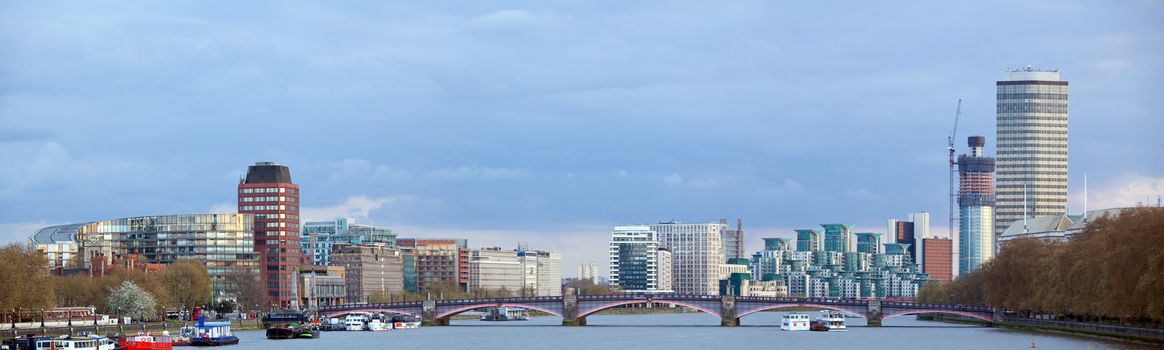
(223,242)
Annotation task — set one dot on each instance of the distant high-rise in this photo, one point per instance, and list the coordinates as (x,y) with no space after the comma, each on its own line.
(697,253)
(733,240)
(838,238)
(588,271)
(1032,145)
(636,261)
(268,193)
(909,232)
(938,260)
(808,240)
(975,207)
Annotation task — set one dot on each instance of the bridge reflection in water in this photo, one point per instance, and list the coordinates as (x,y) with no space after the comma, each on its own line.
(573,309)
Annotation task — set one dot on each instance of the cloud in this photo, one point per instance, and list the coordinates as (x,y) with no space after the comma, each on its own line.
(21,231)
(476,172)
(675,180)
(224,208)
(512,19)
(1126,191)
(788,186)
(621,173)
(355,206)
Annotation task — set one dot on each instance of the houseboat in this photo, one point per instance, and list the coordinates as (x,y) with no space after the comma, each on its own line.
(212,334)
(829,321)
(794,322)
(284,317)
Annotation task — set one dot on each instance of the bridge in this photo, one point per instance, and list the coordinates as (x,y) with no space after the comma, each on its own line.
(573,309)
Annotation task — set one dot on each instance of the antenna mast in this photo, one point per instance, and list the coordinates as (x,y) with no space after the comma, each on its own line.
(950,147)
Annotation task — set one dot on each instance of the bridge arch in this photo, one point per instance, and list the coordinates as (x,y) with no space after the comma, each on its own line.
(954,312)
(787,306)
(345,312)
(464,308)
(640,301)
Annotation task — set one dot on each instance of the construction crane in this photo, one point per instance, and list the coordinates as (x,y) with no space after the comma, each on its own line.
(950,147)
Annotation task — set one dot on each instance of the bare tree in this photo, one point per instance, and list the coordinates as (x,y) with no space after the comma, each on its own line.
(245,286)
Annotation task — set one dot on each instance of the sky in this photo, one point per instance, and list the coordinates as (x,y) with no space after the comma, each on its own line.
(549,123)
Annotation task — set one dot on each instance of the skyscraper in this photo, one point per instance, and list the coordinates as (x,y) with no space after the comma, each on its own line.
(733,240)
(975,207)
(1032,145)
(808,240)
(909,232)
(696,254)
(268,193)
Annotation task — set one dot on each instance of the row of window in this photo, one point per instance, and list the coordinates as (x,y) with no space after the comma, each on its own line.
(1033,138)
(268,199)
(269,190)
(1031,96)
(243,208)
(1031,108)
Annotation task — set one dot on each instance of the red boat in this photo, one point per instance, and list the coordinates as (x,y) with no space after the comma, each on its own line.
(147,342)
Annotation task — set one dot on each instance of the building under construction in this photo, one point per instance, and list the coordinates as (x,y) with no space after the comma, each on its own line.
(975,207)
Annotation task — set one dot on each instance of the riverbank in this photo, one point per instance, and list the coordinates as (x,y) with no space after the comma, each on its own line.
(1087,330)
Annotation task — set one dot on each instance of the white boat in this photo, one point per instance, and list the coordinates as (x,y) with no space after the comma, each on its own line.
(354,322)
(77,343)
(376,325)
(794,322)
(832,320)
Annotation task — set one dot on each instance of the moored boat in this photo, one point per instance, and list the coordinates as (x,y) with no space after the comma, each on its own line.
(280,331)
(830,321)
(75,343)
(354,322)
(213,334)
(145,341)
(794,322)
(376,325)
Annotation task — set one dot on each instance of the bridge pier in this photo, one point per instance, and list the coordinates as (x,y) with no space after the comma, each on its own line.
(428,315)
(570,309)
(873,313)
(727,311)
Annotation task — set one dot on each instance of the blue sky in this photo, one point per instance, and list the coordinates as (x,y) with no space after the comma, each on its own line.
(549,123)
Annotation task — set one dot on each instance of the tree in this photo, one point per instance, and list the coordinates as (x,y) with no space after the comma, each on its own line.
(132,300)
(245,286)
(25,282)
(188,284)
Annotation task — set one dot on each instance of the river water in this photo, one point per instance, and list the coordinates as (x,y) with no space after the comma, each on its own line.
(681,331)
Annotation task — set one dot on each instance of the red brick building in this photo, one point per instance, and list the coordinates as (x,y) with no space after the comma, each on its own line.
(939,258)
(268,193)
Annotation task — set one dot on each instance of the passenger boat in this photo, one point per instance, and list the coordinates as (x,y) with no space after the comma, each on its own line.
(75,343)
(794,322)
(354,322)
(505,314)
(145,341)
(23,342)
(377,325)
(829,321)
(213,334)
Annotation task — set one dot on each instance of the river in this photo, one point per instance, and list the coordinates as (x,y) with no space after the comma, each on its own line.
(681,331)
